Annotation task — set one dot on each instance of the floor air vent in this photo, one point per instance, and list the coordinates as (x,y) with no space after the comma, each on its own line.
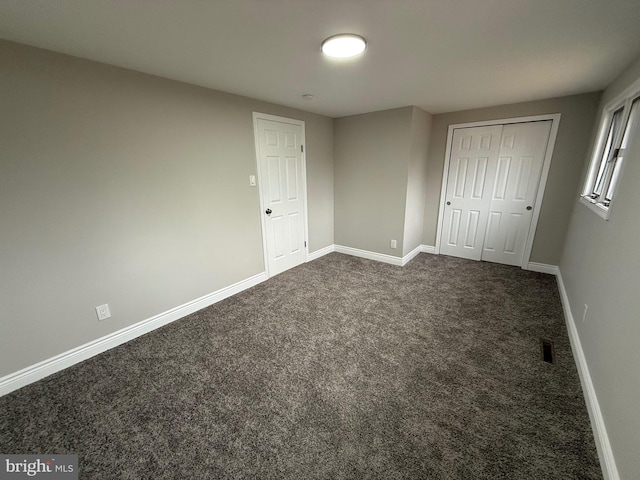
(548,350)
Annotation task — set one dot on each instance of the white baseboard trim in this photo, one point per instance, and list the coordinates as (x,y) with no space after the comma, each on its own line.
(543,268)
(428,249)
(411,255)
(378,257)
(52,365)
(321,253)
(603,446)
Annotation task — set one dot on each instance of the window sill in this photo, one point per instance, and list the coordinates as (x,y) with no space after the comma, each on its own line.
(597,208)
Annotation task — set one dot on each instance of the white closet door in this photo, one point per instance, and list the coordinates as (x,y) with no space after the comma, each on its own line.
(471,170)
(514,189)
(493,178)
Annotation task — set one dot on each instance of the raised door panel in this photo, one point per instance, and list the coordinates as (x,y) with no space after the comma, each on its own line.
(273,184)
(519,167)
(471,167)
(279,236)
(295,241)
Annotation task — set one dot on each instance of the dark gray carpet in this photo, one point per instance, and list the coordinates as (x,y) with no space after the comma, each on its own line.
(341,368)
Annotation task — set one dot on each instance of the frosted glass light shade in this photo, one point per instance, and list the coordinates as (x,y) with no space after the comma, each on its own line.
(344,45)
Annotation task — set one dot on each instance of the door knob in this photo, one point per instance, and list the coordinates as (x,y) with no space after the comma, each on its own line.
(529,207)
(268,211)
(448,203)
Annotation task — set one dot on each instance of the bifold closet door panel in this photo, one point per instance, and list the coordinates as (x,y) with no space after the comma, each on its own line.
(513,191)
(472,168)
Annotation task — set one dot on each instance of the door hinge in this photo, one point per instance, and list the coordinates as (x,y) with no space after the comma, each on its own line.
(302,148)
(305,244)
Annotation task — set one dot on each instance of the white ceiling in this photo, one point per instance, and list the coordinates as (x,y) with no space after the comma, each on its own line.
(440,55)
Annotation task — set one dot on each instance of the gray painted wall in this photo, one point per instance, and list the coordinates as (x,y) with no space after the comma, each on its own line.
(123,188)
(600,267)
(578,113)
(371,167)
(417,180)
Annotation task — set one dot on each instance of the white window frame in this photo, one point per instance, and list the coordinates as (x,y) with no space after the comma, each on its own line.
(624,101)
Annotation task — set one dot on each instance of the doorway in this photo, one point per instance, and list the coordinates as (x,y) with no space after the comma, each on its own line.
(493,183)
(282,189)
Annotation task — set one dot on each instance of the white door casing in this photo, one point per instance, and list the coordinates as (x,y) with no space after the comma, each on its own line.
(523,178)
(468,196)
(519,166)
(282,185)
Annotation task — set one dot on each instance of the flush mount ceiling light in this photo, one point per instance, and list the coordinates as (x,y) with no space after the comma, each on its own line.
(344,45)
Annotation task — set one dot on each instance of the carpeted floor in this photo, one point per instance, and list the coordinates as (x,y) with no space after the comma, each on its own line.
(340,368)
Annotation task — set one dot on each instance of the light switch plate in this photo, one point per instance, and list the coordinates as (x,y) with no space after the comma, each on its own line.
(252,180)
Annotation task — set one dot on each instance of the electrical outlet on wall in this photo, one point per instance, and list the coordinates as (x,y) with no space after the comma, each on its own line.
(394,244)
(103,312)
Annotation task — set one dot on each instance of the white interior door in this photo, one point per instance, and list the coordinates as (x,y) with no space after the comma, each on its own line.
(493,179)
(282,191)
(519,166)
(473,155)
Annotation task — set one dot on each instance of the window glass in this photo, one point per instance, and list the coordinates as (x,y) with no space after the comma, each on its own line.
(628,132)
(605,160)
